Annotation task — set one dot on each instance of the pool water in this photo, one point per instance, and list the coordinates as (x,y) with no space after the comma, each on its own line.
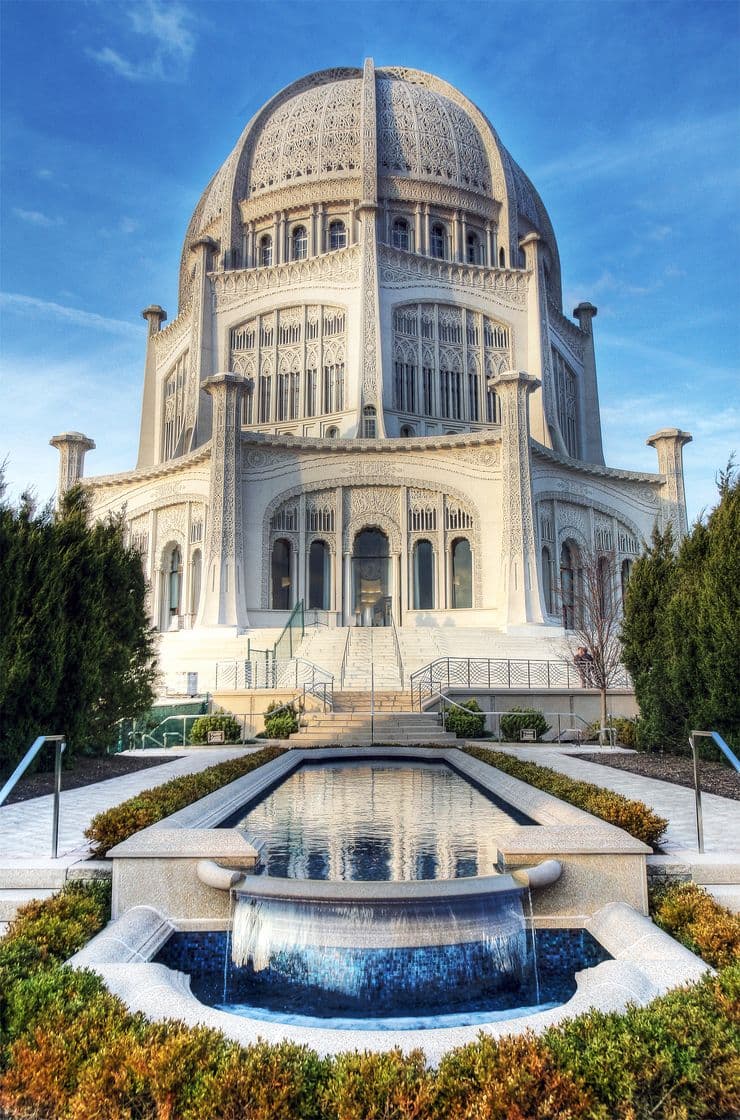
(391,988)
(379,819)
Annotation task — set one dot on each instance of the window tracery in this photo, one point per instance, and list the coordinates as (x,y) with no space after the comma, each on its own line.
(566,396)
(297,355)
(443,357)
(174,409)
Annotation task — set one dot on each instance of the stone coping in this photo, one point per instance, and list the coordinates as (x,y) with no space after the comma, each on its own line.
(574,839)
(574,826)
(647,963)
(380,892)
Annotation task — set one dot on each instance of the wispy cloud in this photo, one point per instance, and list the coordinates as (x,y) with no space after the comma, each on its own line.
(170,43)
(36,218)
(30,305)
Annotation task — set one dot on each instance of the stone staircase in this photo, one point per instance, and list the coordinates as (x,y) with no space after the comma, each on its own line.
(350,724)
(372,647)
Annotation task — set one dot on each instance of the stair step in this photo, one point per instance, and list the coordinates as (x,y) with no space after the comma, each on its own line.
(11,900)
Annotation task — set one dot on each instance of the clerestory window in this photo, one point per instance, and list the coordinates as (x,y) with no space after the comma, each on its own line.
(337,235)
(400,234)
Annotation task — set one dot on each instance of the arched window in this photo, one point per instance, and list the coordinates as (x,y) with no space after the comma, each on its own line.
(300,243)
(280,571)
(319,575)
(547,579)
(568,587)
(406,431)
(196,568)
(369,428)
(501,258)
(462,574)
(337,235)
(472,248)
(171,588)
(437,241)
(625,576)
(332,433)
(266,250)
(605,589)
(423,561)
(400,234)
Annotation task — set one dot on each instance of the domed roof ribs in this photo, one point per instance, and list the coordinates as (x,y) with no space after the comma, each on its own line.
(370,380)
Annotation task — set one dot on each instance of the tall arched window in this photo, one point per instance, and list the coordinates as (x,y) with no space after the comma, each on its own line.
(568,586)
(462,574)
(300,243)
(337,235)
(472,248)
(400,234)
(625,576)
(319,575)
(437,241)
(266,250)
(423,560)
(196,568)
(501,258)
(171,588)
(369,426)
(280,571)
(547,579)
(605,590)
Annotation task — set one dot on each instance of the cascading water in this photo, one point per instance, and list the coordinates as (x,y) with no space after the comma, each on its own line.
(382,958)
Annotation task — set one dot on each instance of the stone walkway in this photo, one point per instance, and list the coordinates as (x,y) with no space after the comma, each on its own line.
(675,803)
(25,827)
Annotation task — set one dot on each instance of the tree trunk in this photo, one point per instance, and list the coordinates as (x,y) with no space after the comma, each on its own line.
(602,694)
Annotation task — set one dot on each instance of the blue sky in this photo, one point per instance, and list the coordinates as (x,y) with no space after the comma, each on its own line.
(115,115)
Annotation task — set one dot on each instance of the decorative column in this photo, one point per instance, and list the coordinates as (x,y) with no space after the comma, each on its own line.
(155,316)
(202,358)
(72,448)
(592,450)
(371,390)
(669,444)
(223,593)
(521,592)
(543,414)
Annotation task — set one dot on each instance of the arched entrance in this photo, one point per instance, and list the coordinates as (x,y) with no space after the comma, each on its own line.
(371,568)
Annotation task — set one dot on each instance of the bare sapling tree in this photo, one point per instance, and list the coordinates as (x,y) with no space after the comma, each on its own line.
(593,614)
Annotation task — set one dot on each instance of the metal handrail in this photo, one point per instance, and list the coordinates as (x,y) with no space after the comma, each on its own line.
(345,657)
(397,644)
(731,758)
(25,762)
(559,716)
(152,733)
(490,673)
(272,674)
(298,609)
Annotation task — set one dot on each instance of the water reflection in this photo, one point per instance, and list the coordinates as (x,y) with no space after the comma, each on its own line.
(376,821)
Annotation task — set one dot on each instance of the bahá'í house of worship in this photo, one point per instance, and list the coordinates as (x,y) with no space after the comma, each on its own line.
(370,399)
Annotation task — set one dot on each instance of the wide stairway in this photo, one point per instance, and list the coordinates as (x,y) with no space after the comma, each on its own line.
(352,723)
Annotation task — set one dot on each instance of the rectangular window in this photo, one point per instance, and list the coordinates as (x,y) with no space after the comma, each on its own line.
(428,392)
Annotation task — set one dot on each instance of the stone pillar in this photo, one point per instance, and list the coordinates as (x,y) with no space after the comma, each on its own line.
(155,316)
(223,593)
(72,448)
(592,450)
(202,358)
(669,444)
(418,238)
(521,603)
(543,412)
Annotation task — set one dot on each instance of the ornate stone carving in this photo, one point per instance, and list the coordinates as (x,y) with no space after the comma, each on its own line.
(369,505)
(72,448)
(567,333)
(399,269)
(170,338)
(669,444)
(237,287)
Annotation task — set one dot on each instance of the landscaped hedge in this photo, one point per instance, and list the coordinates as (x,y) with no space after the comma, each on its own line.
(633,816)
(692,916)
(151,805)
(69,1050)
(469,723)
(217,721)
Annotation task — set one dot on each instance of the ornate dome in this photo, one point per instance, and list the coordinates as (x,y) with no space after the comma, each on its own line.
(313,132)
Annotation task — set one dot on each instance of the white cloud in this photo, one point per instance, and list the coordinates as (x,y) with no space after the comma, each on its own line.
(35,217)
(29,305)
(170,44)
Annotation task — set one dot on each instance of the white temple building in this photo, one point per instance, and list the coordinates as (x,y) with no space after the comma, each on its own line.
(370,399)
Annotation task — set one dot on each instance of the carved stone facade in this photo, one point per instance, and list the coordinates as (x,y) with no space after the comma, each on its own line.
(371,398)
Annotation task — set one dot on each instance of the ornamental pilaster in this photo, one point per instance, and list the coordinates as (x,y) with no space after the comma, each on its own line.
(593,451)
(72,448)
(155,316)
(669,444)
(544,422)
(521,592)
(223,598)
(201,346)
(370,379)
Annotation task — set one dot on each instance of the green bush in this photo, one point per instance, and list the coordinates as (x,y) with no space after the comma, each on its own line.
(151,805)
(633,816)
(518,719)
(281,721)
(628,731)
(219,721)
(468,724)
(693,917)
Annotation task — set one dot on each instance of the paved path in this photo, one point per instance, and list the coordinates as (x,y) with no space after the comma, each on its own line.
(676,803)
(25,827)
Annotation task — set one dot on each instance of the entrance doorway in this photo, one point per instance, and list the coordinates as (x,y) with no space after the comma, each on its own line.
(371,578)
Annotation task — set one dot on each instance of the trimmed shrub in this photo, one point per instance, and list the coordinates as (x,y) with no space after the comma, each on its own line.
(468,724)
(151,805)
(281,721)
(519,719)
(219,721)
(633,816)
(692,916)
(385,1086)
